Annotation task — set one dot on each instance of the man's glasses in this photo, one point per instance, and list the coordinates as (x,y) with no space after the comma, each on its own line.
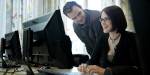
(104,19)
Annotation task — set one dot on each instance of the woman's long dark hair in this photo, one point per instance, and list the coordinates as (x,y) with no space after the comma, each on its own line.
(117,17)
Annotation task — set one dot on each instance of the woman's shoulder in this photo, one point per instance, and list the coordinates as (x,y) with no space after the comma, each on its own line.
(130,34)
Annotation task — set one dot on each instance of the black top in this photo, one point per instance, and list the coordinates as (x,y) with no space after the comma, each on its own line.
(89,32)
(125,60)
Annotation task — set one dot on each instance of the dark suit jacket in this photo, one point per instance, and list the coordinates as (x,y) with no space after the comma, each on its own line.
(89,32)
(125,61)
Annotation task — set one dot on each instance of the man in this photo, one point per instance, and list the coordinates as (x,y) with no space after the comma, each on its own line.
(85,23)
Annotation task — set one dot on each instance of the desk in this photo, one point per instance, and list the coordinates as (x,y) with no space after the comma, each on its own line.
(21,71)
(16,71)
(72,71)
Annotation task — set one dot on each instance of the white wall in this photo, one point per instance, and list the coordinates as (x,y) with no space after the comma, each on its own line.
(2,18)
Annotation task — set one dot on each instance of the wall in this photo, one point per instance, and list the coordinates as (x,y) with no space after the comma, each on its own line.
(2,18)
(126,9)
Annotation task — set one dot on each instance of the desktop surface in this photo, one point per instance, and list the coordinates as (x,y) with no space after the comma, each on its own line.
(54,71)
(39,71)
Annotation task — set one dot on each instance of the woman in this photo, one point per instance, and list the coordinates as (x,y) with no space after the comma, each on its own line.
(116,52)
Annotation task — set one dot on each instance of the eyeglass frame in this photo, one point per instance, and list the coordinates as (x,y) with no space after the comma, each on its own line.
(104,19)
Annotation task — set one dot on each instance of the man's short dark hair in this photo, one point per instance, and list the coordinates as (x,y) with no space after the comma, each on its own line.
(68,7)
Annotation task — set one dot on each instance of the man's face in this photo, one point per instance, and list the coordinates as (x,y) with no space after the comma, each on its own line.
(77,15)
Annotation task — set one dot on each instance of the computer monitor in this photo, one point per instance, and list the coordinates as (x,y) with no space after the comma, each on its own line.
(53,41)
(12,47)
(2,51)
(40,48)
(27,44)
(59,44)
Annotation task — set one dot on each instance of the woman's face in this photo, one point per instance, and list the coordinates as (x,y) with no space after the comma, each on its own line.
(106,23)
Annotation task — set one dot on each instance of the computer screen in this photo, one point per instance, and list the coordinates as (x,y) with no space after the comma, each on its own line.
(51,45)
(40,48)
(27,44)
(12,47)
(59,44)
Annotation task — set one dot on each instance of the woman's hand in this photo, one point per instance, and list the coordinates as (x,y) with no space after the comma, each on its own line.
(91,69)
(95,69)
(82,67)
